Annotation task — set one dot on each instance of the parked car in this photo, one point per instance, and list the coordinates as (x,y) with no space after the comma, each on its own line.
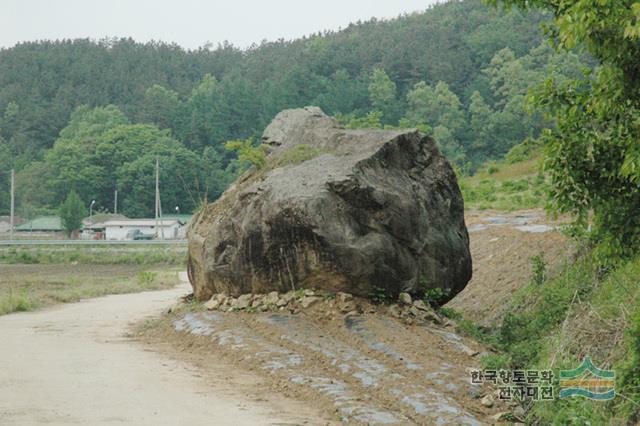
(136,234)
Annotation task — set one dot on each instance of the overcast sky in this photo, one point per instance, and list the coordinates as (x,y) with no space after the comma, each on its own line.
(190,23)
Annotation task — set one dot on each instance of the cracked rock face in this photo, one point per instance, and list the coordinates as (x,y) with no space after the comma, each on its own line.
(362,211)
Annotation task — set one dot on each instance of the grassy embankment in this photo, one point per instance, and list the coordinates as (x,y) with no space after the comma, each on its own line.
(554,323)
(505,186)
(37,276)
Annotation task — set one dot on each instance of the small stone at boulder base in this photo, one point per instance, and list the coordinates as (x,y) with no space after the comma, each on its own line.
(289,296)
(405,298)
(421,305)
(432,316)
(272,298)
(347,306)
(394,311)
(212,304)
(307,301)
(281,302)
(257,301)
(365,211)
(343,297)
(418,313)
(243,301)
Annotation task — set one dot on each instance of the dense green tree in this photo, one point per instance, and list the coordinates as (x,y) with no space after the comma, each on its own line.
(33,189)
(344,94)
(482,119)
(160,107)
(216,175)
(382,91)
(593,154)
(179,179)
(371,120)
(75,161)
(449,145)
(437,106)
(441,110)
(97,160)
(71,212)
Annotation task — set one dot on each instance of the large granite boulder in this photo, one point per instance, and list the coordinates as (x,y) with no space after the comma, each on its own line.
(359,211)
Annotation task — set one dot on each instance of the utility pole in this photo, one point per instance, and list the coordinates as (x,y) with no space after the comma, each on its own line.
(158,203)
(161,222)
(13,202)
(115,202)
(157,193)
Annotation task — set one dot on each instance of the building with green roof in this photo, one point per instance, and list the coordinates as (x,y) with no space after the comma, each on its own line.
(41,224)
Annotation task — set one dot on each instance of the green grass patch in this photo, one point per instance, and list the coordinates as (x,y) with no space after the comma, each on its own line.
(95,255)
(16,301)
(295,155)
(505,187)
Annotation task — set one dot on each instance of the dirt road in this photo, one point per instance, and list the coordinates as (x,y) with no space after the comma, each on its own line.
(72,364)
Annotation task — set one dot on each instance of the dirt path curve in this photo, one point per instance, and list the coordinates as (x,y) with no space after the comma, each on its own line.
(72,365)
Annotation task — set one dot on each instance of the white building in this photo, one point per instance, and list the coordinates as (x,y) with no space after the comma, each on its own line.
(122,229)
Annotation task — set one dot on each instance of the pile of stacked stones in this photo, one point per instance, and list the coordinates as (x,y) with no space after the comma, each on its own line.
(293,301)
(411,310)
(406,309)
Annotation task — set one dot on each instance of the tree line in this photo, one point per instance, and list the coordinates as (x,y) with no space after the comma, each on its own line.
(93,116)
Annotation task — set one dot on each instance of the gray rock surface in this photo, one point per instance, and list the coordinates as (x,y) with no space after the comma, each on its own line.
(367,211)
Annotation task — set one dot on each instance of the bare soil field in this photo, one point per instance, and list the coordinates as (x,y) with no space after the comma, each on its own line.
(366,368)
(502,245)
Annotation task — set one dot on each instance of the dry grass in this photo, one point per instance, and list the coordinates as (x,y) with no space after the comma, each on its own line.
(28,287)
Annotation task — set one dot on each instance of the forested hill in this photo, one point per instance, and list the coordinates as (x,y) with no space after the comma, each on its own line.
(459,70)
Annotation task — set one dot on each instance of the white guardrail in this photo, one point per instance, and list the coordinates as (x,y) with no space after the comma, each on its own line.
(88,242)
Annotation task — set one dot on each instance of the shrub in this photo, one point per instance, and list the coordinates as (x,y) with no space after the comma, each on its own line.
(434,296)
(538,270)
(247,151)
(495,361)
